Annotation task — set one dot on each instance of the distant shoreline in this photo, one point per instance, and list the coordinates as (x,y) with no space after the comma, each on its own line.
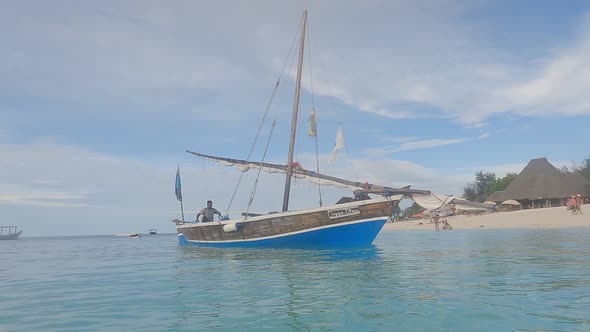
(556,217)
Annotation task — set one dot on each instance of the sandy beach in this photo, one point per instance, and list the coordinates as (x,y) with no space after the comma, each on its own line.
(556,217)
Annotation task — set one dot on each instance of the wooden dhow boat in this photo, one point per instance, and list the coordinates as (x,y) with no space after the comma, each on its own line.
(9,233)
(355,222)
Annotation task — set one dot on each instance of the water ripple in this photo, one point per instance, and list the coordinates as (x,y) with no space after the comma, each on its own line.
(523,280)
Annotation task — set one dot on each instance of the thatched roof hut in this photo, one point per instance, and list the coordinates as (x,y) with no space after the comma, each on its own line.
(540,180)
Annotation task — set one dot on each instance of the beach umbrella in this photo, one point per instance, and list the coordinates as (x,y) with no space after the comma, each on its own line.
(510,202)
(490,203)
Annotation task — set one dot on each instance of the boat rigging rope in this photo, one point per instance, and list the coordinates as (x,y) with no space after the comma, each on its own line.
(391,217)
(274,92)
(442,201)
(317,157)
(350,159)
(253,193)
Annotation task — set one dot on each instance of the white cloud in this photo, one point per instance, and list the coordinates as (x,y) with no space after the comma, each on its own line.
(54,189)
(445,67)
(97,191)
(484,135)
(413,145)
(400,139)
(387,172)
(398,60)
(560,85)
(399,173)
(118,50)
(429,143)
(70,191)
(32,196)
(42,199)
(155,56)
(391,114)
(502,169)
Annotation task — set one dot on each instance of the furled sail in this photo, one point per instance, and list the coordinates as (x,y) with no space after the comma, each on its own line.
(243,165)
(314,177)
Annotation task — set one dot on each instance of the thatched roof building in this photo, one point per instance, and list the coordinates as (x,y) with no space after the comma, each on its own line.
(540,184)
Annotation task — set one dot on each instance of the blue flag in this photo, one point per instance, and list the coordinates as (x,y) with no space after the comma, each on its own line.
(177,190)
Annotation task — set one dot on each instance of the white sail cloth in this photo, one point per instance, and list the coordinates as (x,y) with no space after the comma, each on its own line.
(435,202)
(339,145)
(432,202)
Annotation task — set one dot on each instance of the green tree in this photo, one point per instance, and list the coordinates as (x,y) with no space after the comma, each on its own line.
(584,168)
(469,192)
(502,183)
(486,184)
(483,184)
(479,190)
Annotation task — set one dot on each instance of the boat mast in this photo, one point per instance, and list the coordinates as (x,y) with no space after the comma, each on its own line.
(295,111)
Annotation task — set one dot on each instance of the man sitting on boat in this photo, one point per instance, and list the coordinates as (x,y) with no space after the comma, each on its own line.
(208,213)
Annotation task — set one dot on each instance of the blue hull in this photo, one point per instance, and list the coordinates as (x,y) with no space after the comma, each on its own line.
(347,235)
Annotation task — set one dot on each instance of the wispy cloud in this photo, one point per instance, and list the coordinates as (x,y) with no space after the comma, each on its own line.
(399,60)
(502,169)
(465,78)
(413,145)
(44,200)
(26,194)
(400,139)
(393,173)
(107,189)
(432,58)
(484,135)
(431,143)
(390,114)
(560,85)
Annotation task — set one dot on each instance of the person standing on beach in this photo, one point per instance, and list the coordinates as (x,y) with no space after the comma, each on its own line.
(571,204)
(435,219)
(208,213)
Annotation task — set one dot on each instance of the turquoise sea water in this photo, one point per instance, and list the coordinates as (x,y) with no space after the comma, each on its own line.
(476,280)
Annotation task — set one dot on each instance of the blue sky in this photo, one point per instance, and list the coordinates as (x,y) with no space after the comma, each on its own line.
(99,101)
